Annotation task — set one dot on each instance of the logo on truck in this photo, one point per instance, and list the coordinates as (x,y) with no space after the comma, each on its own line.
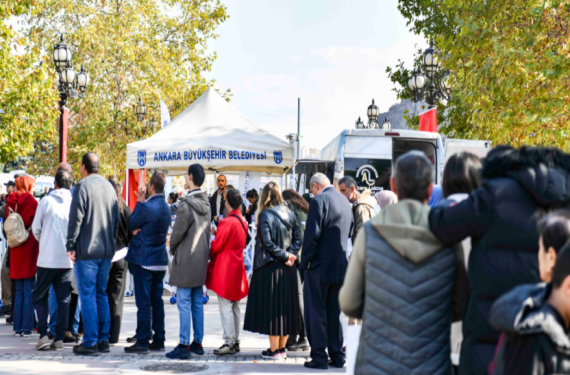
(367,174)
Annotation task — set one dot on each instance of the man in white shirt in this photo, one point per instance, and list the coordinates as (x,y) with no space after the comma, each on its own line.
(54,266)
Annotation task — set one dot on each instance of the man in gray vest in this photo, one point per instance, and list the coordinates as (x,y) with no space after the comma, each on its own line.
(401,282)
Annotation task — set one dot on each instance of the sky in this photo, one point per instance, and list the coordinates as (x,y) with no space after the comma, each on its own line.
(332,54)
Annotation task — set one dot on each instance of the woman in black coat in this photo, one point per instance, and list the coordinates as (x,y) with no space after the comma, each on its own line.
(118,272)
(500,218)
(273,303)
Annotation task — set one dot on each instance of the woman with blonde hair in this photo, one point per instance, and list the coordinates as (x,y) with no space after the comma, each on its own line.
(273,302)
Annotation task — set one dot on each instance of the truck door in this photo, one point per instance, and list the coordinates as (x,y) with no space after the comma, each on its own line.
(428,146)
(368,160)
(455,146)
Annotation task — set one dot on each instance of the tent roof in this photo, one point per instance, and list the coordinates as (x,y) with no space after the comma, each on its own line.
(212,133)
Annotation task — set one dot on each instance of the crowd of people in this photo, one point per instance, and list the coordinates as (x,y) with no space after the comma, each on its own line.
(473,274)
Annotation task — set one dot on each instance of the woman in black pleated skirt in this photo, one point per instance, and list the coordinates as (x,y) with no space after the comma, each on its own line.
(273,302)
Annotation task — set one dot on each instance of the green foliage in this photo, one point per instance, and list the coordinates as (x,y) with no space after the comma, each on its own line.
(27,93)
(153,49)
(510,63)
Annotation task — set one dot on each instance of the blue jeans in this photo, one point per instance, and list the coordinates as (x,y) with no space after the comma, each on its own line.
(23,307)
(52,303)
(91,276)
(184,298)
(150,306)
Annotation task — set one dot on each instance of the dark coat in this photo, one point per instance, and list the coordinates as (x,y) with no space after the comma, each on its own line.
(278,235)
(500,218)
(148,247)
(329,225)
(213,199)
(125,235)
(536,337)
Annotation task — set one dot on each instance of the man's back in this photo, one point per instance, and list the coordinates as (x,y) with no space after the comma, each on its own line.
(328,228)
(93,219)
(406,297)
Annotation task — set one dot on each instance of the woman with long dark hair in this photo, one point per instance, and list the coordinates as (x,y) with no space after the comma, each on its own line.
(253,198)
(273,303)
(118,271)
(23,259)
(300,208)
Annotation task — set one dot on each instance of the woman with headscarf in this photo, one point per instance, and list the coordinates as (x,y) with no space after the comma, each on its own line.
(23,259)
(386,198)
(118,271)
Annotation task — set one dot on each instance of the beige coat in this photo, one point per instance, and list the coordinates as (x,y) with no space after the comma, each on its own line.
(363,211)
(190,242)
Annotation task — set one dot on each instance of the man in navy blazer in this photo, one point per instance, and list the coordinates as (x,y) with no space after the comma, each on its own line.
(323,263)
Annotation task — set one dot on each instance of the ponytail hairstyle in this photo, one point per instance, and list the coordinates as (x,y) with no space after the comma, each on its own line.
(234,199)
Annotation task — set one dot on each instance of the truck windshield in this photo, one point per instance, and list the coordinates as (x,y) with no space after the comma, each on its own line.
(373,174)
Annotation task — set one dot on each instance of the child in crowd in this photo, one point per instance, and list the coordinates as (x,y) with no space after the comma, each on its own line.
(536,318)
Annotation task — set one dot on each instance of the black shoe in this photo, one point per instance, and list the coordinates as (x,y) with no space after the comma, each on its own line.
(104,347)
(132,339)
(196,348)
(336,365)
(86,350)
(135,349)
(301,346)
(156,347)
(9,320)
(180,352)
(236,347)
(50,336)
(316,366)
(70,339)
(268,354)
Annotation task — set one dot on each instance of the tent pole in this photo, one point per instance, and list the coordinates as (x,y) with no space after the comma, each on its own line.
(127,187)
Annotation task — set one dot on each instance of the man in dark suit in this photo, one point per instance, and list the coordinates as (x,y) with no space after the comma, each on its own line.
(323,264)
(217,202)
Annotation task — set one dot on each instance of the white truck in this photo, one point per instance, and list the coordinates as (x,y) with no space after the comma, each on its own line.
(368,155)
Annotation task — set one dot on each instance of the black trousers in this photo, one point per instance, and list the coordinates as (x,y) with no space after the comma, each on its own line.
(322,319)
(116,294)
(292,340)
(60,278)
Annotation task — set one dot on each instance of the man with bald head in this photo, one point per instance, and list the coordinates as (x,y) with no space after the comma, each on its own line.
(91,243)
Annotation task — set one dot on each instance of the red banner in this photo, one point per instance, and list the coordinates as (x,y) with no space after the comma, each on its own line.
(133,187)
(428,121)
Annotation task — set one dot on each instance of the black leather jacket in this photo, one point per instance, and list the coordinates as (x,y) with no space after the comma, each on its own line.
(278,235)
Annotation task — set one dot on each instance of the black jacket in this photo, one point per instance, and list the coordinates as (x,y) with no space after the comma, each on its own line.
(500,218)
(213,199)
(277,235)
(125,235)
(536,337)
(328,228)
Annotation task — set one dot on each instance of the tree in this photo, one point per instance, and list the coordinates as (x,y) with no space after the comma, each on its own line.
(509,61)
(152,49)
(27,93)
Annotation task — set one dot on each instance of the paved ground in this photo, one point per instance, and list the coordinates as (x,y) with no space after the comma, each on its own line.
(18,355)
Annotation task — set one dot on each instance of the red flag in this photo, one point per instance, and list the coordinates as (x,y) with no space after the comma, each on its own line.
(133,187)
(428,121)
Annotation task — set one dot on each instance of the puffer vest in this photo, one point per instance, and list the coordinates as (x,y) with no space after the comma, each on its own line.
(407,311)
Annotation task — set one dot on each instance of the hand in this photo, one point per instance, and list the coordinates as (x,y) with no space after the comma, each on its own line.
(141,195)
(136,231)
(291,261)
(216,219)
(213,231)
(71,255)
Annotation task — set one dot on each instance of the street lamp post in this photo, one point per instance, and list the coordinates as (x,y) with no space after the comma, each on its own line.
(431,84)
(386,124)
(68,84)
(359,124)
(373,112)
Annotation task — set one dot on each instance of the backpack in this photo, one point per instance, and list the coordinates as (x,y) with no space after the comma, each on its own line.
(16,231)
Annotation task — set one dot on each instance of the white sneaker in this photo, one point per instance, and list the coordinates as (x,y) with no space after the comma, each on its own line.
(43,343)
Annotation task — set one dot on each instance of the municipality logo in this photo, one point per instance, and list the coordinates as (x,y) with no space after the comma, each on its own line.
(278,157)
(141,157)
(367,175)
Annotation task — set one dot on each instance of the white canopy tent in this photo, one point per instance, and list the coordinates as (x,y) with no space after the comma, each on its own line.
(214,134)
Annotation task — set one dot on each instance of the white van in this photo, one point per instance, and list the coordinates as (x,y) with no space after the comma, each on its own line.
(368,155)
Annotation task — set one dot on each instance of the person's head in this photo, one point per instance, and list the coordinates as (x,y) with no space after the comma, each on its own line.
(89,164)
(296,199)
(348,187)
(252,196)
(413,177)
(462,174)
(228,187)
(118,187)
(195,177)
(10,186)
(554,230)
(560,295)
(172,198)
(221,182)
(63,179)
(318,183)
(386,198)
(270,196)
(233,199)
(46,189)
(25,184)
(64,166)
(156,185)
